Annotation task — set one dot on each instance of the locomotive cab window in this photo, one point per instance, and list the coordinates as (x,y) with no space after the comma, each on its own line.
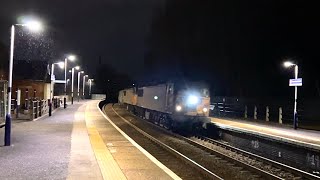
(205,92)
(140,92)
(169,89)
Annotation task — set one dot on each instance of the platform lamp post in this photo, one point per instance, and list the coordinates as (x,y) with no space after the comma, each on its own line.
(52,78)
(90,84)
(33,26)
(84,84)
(79,73)
(288,64)
(72,81)
(71,58)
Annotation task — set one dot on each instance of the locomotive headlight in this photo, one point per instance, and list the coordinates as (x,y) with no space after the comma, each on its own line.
(205,110)
(192,100)
(178,108)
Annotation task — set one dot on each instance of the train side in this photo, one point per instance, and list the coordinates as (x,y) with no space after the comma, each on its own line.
(154,98)
(167,106)
(127,96)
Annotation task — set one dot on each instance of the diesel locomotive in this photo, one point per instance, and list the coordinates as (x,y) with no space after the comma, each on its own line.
(170,105)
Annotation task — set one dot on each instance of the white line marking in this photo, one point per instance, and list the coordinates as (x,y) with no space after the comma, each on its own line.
(288,140)
(146,153)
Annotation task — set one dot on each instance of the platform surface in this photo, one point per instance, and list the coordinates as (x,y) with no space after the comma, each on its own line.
(74,143)
(308,138)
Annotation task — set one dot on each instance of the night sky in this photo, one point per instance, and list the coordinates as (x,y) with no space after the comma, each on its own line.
(236,46)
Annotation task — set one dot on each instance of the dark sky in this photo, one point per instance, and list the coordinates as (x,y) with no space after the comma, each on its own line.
(113,29)
(236,46)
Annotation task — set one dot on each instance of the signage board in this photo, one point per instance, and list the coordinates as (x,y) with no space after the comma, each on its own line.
(295,82)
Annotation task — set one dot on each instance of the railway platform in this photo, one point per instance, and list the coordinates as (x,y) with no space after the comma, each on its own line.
(79,142)
(300,137)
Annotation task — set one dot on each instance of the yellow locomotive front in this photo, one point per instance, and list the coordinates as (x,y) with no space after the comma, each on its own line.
(193,102)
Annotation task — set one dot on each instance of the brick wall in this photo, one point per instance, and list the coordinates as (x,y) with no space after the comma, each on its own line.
(31,85)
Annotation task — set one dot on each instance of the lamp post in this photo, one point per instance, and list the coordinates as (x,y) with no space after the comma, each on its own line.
(61,65)
(288,64)
(52,78)
(90,84)
(84,84)
(71,58)
(33,26)
(79,73)
(72,81)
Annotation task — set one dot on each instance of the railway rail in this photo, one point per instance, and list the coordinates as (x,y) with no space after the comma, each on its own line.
(252,161)
(198,154)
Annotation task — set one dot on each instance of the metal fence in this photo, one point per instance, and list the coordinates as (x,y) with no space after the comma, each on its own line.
(39,108)
(34,108)
(270,110)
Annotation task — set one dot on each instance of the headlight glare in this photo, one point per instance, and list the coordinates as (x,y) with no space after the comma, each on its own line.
(192,100)
(178,108)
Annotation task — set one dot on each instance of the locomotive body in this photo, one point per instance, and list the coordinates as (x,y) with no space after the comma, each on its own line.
(170,105)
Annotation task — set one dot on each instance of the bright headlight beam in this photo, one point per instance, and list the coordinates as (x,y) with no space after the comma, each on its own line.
(178,108)
(192,100)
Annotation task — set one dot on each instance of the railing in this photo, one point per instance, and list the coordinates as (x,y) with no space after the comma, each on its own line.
(269,110)
(248,109)
(41,108)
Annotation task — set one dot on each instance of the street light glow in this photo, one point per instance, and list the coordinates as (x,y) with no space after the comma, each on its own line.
(288,64)
(82,71)
(77,67)
(72,57)
(60,64)
(35,26)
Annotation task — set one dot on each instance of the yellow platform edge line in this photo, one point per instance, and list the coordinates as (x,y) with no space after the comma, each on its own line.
(108,166)
(146,153)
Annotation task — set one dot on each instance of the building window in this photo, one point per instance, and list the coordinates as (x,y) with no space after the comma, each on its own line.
(124,93)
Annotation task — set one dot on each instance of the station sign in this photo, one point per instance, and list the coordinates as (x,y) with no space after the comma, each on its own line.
(295,82)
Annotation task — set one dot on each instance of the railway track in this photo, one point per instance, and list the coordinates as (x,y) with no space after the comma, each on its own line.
(253,161)
(212,159)
(178,164)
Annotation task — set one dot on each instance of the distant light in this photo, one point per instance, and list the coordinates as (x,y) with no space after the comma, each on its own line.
(72,57)
(82,72)
(205,110)
(70,71)
(155,97)
(288,64)
(60,64)
(178,108)
(86,75)
(77,67)
(68,80)
(35,26)
(192,100)
(132,84)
